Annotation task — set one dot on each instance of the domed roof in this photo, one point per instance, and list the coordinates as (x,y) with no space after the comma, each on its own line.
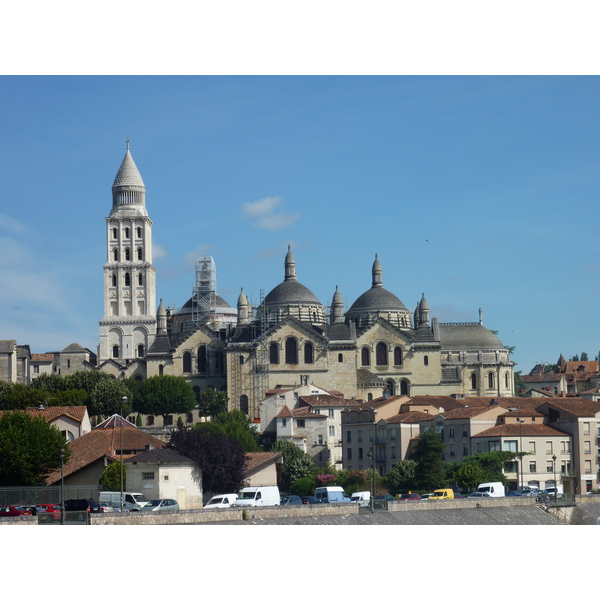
(468,336)
(128,173)
(377,298)
(291,292)
(219,303)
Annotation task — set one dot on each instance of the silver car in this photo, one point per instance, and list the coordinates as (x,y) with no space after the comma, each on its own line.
(160,505)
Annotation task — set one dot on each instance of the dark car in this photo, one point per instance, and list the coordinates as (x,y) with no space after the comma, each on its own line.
(9,511)
(310,500)
(387,497)
(513,493)
(406,497)
(289,500)
(82,505)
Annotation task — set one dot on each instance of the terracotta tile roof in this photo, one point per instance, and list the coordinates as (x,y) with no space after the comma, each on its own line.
(77,413)
(546,393)
(258,459)
(504,401)
(160,455)
(579,407)
(284,413)
(526,430)
(523,412)
(467,412)
(378,402)
(325,400)
(304,411)
(42,357)
(277,391)
(103,442)
(445,402)
(589,366)
(414,416)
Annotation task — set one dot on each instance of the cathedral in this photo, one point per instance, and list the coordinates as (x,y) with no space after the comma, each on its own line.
(375,348)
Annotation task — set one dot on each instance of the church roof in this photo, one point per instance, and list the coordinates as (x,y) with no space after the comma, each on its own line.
(291,292)
(219,303)
(468,336)
(128,173)
(377,298)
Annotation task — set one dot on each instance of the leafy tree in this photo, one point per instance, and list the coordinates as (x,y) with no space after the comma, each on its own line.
(401,477)
(212,403)
(21,396)
(575,358)
(221,459)
(238,426)
(69,398)
(484,466)
(305,486)
(51,382)
(584,356)
(86,380)
(164,395)
(111,477)
(106,398)
(470,475)
(29,449)
(296,464)
(429,456)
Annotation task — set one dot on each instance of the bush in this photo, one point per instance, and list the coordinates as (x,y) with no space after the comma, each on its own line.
(304,486)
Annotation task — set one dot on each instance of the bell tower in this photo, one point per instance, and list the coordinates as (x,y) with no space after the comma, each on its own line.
(129,324)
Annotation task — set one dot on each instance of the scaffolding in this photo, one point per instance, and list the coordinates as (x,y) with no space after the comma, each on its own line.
(204,293)
(261,370)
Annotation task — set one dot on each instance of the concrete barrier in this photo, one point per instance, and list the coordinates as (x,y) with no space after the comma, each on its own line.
(215,515)
(461,503)
(23,520)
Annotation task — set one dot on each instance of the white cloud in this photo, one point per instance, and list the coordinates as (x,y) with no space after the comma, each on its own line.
(202,250)
(158,251)
(13,225)
(263,213)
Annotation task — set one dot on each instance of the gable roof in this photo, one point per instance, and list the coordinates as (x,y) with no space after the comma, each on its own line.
(413,416)
(160,455)
(50,413)
(327,400)
(255,460)
(445,402)
(526,430)
(284,413)
(467,412)
(578,407)
(42,357)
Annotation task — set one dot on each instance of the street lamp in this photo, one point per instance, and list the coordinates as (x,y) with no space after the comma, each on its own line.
(123,400)
(371,455)
(521,421)
(61,453)
(554,475)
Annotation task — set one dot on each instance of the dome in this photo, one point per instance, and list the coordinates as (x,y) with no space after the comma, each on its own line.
(291,292)
(377,298)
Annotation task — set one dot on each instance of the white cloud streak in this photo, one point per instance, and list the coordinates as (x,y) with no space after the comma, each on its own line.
(263,213)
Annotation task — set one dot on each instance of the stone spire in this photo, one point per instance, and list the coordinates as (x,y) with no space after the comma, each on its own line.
(416,318)
(243,307)
(337,307)
(376,272)
(128,188)
(290,266)
(161,318)
(423,312)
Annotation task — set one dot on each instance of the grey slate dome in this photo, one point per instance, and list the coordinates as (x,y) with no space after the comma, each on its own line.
(377,298)
(290,292)
(469,336)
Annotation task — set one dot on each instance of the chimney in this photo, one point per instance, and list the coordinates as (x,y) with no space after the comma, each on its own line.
(149,447)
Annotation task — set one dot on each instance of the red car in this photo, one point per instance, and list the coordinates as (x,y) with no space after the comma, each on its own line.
(408,497)
(53,509)
(9,511)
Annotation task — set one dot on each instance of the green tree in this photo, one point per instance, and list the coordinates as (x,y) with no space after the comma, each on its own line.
(106,398)
(86,380)
(575,358)
(429,456)
(29,449)
(164,395)
(470,475)
(584,356)
(296,464)
(51,382)
(519,385)
(21,396)
(69,398)
(401,477)
(111,477)
(212,403)
(305,486)
(237,426)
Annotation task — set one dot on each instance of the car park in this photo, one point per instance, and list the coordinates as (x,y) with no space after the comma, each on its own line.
(105,507)
(221,501)
(409,497)
(426,496)
(162,505)
(82,505)
(387,497)
(479,495)
(52,510)
(362,498)
(290,500)
(27,510)
(513,493)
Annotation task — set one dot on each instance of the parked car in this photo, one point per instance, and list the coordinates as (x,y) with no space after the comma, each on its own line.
(513,493)
(409,497)
(426,496)
(82,505)
(309,500)
(50,509)
(362,498)
(442,494)
(221,501)
(9,511)
(163,505)
(290,500)
(27,510)
(105,507)
(387,497)
(479,495)
(459,495)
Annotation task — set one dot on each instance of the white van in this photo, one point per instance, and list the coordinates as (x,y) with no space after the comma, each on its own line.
(267,495)
(132,501)
(221,501)
(363,498)
(331,495)
(495,489)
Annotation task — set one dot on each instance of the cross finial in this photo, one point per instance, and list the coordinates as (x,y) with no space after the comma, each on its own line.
(127,143)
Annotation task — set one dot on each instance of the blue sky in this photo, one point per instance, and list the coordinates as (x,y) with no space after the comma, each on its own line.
(477,191)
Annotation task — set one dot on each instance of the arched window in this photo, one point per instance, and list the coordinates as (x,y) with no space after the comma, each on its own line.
(114,233)
(274,353)
(140,350)
(365,357)
(161,369)
(369,397)
(115,254)
(340,357)
(397,356)
(244,403)
(490,380)
(140,279)
(241,360)
(115,351)
(426,360)
(381,355)
(473,381)
(139,232)
(127,254)
(114,280)
(404,388)
(506,381)
(291,351)
(308,353)
(187,362)
(127,232)
(391,387)
(202,367)
(139,253)
(127,279)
